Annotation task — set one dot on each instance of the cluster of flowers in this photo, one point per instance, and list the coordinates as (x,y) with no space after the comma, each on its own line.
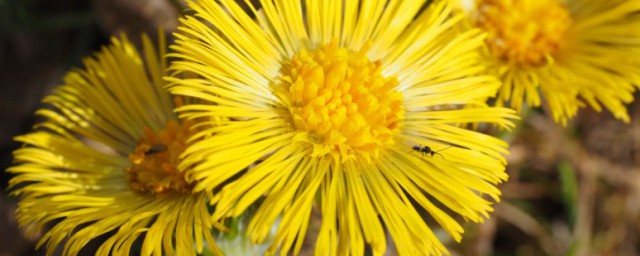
(288,107)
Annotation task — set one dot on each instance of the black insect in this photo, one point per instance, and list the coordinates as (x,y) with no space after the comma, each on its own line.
(425,150)
(157,148)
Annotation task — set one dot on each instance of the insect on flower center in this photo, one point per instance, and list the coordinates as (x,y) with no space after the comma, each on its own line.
(154,160)
(339,102)
(525,32)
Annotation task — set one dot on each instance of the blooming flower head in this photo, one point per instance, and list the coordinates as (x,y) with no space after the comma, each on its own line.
(104,162)
(573,52)
(354,107)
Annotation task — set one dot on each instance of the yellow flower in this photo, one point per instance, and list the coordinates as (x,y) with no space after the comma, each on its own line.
(341,105)
(103,163)
(571,52)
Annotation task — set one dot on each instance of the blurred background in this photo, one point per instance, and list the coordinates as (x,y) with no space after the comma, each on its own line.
(572,191)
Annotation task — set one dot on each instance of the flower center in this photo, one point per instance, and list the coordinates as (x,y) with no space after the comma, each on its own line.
(339,102)
(524,32)
(155,158)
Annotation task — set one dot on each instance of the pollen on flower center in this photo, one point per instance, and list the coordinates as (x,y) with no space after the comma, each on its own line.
(339,102)
(525,32)
(154,160)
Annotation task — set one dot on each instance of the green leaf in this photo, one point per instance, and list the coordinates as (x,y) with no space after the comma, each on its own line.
(569,190)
